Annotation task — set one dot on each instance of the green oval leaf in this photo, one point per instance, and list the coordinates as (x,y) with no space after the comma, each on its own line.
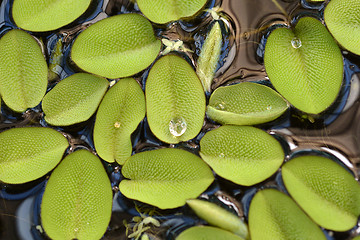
(342,19)
(23,71)
(209,56)
(327,192)
(305,65)
(219,217)
(119,114)
(163,11)
(245,104)
(29,153)
(42,16)
(274,215)
(208,233)
(175,100)
(74,99)
(78,198)
(116,47)
(244,155)
(165,177)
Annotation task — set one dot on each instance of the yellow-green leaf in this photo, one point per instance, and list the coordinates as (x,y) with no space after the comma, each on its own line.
(207,233)
(29,153)
(343,21)
(42,16)
(23,71)
(163,11)
(118,46)
(119,114)
(74,99)
(244,155)
(245,104)
(274,215)
(305,65)
(219,217)
(78,198)
(209,57)
(327,192)
(165,177)
(175,100)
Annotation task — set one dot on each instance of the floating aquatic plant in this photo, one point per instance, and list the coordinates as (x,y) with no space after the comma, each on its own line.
(245,104)
(343,20)
(23,71)
(163,11)
(327,192)
(242,154)
(208,233)
(118,46)
(165,178)
(218,217)
(209,56)
(42,16)
(305,65)
(78,198)
(119,114)
(274,215)
(29,153)
(74,99)
(175,100)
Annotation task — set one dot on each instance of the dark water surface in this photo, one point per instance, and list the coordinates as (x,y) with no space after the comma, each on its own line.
(336,133)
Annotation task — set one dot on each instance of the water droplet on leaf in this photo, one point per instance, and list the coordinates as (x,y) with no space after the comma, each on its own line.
(296,42)
(117,125)
(177,126)
(220,106)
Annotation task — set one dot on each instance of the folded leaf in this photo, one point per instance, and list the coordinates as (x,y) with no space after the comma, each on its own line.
(78,198)
(165,177)
(245,104)
(327,192)
(208,233)
(29,153)
(209,56)
(163,11)
(42,16)
(74,99)
(342,19)
(244,155)
(305,65)
(23,71)
(115,47)
(175,100)
(219,217)
(119,114)
(274,215)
